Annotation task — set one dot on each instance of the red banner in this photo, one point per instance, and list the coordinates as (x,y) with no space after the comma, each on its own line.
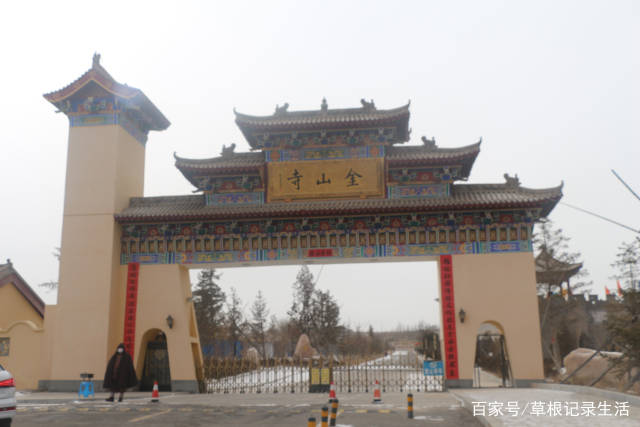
(130,307)
(448,318)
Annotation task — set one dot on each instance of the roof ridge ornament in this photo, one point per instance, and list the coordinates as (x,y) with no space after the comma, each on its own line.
(228,151)
(368,106)
(324,106)
(512,181)
(281,110)
(429,143)
(96,60)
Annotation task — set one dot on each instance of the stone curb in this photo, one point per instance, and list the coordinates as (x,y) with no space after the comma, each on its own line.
(468,405)
(592,391)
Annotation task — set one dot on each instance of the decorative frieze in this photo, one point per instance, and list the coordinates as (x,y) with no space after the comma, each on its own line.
(417,191)
(247,198)
(328,153)
(345,138)
(302,254)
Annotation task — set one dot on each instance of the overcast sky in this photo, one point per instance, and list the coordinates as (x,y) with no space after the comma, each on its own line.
(551,86)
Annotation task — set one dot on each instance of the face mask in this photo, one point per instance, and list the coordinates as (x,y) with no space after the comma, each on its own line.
(120,350)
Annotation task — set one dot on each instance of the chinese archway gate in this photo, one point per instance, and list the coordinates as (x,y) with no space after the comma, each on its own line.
(325,186)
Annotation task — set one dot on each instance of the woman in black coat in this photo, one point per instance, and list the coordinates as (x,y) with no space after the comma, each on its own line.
(120,374)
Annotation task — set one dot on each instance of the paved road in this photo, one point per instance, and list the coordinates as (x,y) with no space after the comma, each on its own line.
(430,409)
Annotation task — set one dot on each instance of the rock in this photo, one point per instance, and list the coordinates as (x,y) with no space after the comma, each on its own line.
(592,370)
(252,355)
(304,350)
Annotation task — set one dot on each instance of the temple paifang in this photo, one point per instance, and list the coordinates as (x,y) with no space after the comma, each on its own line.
(326,186)
(331,183)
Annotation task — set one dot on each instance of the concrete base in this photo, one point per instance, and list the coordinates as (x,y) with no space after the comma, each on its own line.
(459,383)
(66,385)
(526,383)
(189,386)
(466,383)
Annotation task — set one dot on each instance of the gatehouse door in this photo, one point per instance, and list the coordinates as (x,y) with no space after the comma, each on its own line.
(491,366)
(156,365)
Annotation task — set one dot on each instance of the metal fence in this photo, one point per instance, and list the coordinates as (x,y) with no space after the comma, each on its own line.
(398,371)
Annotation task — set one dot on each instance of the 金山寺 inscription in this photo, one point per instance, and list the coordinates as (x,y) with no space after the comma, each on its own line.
(325,179)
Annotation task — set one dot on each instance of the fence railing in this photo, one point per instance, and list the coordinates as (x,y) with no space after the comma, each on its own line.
(398,371)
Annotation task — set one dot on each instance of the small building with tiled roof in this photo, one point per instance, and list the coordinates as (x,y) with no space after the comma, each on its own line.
(21,328)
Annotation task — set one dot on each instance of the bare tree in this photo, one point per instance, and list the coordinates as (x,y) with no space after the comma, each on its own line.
(627,263)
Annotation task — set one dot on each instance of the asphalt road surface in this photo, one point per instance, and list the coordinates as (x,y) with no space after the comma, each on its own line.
(430,409)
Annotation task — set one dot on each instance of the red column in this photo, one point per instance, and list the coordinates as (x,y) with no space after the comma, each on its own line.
(130,307)
(448,318)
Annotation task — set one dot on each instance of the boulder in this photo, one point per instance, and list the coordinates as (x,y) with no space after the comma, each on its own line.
(592,370)
(304,350)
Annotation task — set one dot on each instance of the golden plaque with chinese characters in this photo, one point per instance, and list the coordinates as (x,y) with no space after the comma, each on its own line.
(325,179)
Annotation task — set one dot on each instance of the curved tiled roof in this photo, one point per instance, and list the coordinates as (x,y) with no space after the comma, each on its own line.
(233,161)
(395,155)
(463,197)
(98,75)
(327,119)
(399,154)
(320,117)
(422,155)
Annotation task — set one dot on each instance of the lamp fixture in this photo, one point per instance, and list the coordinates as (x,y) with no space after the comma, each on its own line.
(462,314)
(170,321)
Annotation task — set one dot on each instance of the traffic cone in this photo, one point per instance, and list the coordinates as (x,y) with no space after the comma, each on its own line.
(332,391)
(155,396)
(376,393)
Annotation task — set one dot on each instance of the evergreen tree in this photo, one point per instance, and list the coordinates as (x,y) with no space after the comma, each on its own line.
(623,324)
(234,321)
(258,324)
(208,300)
(325,320)
(301,312)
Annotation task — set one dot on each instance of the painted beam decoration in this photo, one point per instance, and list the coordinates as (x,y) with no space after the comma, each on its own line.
(267,256)
(296,240)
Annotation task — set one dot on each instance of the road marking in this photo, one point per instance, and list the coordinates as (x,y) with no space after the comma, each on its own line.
(144,409)
(123,409)
(103,409)
(384,411)
(146,417)
(82,409)
(361,411)
(185,409)
(251,411)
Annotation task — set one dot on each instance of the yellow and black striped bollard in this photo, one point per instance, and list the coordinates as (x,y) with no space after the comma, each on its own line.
(410,405)
(334,412)
(324,422)
(311,422)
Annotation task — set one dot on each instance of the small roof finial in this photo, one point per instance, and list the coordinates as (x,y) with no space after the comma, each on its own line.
(324,106)
(9,261)
(96,60)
